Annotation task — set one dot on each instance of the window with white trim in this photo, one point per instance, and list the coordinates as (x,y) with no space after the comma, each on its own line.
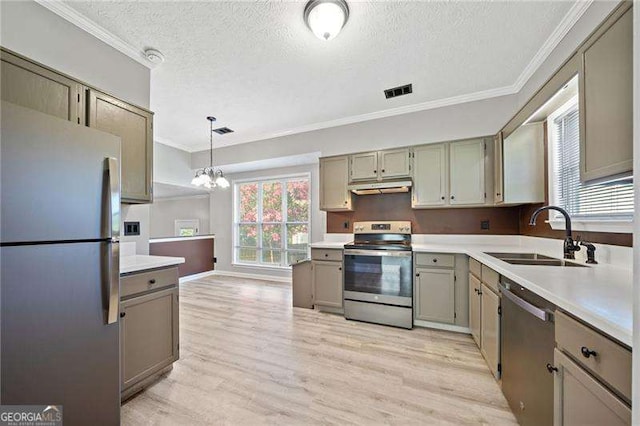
(600,204)
(271,221)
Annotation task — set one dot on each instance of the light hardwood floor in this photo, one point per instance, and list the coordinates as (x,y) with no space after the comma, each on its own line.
(247,357)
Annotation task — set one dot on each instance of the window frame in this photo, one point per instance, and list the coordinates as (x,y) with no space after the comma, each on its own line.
(283,179)
(556,220)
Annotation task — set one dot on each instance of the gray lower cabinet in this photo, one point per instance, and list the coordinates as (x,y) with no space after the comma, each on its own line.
(490,328)
(327,284)
(475,309)
(149,332)
(32,86)
(484,313)
(435,295)
(135,127)
(440,288)
(579,399)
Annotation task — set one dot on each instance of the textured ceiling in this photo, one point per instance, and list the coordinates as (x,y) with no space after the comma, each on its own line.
(260,71)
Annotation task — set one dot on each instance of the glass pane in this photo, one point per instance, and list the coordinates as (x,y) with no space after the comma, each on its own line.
(248,235)
(272,202)
(272,257)
(297,236)
(272,236)
(296,256)
(298,201)
(248,202)
(247,254)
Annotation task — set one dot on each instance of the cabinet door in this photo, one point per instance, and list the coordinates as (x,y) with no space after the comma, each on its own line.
(606,102)
(135,128)
(429,176)
(579,399)
(498,169)
(327,283)
(364,166)
(490,328)
(32,86)
(474,309)
(148,335)
(466,165)
(394,163)
(334,177)
(435,295)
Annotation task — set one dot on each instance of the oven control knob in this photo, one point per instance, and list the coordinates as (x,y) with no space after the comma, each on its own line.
(375,297)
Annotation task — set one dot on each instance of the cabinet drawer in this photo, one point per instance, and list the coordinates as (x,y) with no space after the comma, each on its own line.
(475,268)
(326,254)
(490,277)
(611,362)
(435,259)
(147,281)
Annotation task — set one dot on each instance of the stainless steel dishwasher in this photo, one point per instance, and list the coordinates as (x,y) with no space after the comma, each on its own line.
(527,342)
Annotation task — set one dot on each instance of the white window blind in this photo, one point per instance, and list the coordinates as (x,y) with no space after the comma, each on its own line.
(602,201)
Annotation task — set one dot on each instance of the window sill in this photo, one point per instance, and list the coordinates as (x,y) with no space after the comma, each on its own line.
(613,226)
(260,266)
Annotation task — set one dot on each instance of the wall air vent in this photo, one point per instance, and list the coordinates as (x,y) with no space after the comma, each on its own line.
(398,91)
(223,130)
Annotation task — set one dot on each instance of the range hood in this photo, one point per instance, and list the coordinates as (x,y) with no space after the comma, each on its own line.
(375,187)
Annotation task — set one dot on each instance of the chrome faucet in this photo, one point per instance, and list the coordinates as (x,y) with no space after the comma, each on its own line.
(570,246)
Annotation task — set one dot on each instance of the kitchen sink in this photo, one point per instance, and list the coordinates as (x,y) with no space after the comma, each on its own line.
(528,256)
(533,259)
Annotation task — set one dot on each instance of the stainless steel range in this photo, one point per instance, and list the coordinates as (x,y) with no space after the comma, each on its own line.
(378,278)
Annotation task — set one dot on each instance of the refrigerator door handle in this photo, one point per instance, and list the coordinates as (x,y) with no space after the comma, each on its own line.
(113,214)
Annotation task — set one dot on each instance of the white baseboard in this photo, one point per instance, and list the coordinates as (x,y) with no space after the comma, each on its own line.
(195,276)
(438,326)
(252,276)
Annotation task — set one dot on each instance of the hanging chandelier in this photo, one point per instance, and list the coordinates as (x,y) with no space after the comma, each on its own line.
(209,177)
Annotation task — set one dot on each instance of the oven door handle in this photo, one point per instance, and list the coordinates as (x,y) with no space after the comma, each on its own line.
(379,253)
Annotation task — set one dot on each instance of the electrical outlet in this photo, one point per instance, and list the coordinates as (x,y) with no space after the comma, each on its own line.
(346,224)
(484,224)
(132,228)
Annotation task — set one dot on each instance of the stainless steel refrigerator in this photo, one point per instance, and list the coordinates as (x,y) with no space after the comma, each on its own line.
(59,266)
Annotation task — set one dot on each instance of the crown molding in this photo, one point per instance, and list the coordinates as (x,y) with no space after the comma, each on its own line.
(563,28)
(78,19)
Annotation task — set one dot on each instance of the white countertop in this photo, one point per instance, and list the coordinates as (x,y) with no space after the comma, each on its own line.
(141,262)
(171,239)
(600,295)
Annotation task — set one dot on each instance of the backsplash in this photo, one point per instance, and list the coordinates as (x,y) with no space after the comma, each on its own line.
(502,220)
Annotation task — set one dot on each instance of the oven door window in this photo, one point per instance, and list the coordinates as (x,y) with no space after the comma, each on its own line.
(386,275)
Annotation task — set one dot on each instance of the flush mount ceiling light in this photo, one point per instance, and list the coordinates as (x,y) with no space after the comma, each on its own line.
(325,18)
(209,177)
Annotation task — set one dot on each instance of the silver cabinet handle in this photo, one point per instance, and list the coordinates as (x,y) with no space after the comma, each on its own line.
(528,307)
(113,222)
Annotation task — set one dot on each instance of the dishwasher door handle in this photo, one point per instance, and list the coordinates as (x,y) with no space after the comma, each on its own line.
(532,309)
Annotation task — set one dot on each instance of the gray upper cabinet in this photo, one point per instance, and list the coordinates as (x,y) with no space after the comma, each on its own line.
(135,127)
(334,177)
(394,163)
(364,166)
(606,104)
(32,86)
(430,176)
(380,165)
(467,172)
